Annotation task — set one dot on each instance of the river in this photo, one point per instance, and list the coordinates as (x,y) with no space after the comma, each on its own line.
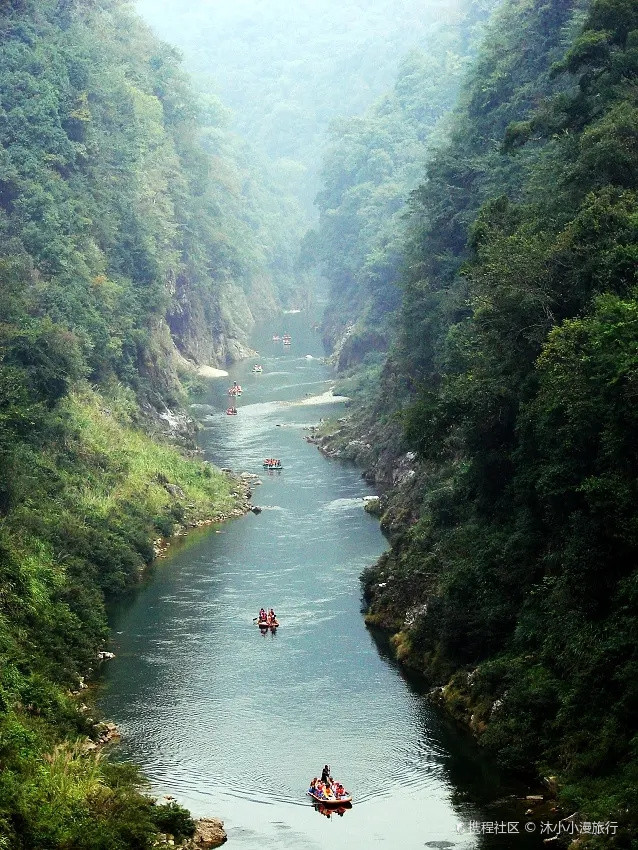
(234,723)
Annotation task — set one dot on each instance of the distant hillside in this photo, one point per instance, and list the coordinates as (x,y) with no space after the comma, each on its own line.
(287,70)
(372,164)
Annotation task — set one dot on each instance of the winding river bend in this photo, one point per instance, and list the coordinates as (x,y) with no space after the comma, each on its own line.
(234,723)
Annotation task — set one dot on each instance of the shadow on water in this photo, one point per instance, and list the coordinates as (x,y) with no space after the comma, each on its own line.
(331,811)
(476,779)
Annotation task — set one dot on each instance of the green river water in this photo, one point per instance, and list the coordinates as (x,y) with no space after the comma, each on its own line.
(234,723)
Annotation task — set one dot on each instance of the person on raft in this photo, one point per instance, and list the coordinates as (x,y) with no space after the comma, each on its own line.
(272,617)
(262,615)
(326,788)
(318,788)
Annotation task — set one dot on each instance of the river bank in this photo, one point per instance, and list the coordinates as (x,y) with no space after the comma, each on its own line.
(205,701)
(241,489)
(492,696)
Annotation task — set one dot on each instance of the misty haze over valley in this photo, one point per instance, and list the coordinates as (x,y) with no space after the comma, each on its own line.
(318,456)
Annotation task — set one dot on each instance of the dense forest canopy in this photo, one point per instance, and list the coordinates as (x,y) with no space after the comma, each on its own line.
(513,579)
(127,243)
(106,176)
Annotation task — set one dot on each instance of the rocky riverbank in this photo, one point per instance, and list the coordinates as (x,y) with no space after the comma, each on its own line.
(241,489)
(209,833)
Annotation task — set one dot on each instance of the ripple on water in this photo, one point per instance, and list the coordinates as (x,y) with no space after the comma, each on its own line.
(235,722)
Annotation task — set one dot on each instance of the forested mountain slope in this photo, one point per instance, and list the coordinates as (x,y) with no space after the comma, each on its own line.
(109,193)
(512,577)
(121,242)
(371,166)
(465,165)
(291,68)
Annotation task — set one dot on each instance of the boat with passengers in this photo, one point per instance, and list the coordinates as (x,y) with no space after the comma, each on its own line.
(267,620)
(329,793)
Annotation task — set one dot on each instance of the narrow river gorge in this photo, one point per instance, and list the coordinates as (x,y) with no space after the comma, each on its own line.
(234,723)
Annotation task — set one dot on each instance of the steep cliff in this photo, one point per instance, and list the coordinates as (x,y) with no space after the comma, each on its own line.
(115,261)
(511,578)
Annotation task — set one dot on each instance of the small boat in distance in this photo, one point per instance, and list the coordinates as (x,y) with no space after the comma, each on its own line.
(232,411)
(276,338)
(273,463)
(235,390)
(257,368)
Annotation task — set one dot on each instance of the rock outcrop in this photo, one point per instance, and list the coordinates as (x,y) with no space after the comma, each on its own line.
(209,833)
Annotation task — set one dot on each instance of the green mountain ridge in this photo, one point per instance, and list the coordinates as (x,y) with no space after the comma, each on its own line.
(369,170)
(128,246)
(507,401)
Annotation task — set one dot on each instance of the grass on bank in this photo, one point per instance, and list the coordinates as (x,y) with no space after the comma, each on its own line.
(125,464)
(83,500)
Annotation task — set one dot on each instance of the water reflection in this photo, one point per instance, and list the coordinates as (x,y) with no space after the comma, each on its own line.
(330,811)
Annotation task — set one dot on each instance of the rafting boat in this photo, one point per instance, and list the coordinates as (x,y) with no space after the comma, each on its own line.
(332,800)
(276,338)
(265,624)
(257,369)
(232,411)
(272,463)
